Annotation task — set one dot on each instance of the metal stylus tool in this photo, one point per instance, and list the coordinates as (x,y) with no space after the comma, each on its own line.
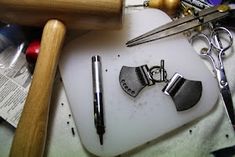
(98,96)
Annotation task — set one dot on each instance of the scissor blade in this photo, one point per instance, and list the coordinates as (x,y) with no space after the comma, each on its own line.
(179,26)
(228,102)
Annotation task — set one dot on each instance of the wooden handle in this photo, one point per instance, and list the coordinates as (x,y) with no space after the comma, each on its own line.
(82,14)
(30,136)
(169,6)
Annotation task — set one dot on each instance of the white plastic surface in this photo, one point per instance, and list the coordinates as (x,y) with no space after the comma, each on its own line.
(131,122)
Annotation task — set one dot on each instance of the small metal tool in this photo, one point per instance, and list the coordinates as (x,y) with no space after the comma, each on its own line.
(219,41)
(185,23)
(168,6)
(145,4)
(98,97)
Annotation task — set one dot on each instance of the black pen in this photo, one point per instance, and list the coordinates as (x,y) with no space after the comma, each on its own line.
(98,97)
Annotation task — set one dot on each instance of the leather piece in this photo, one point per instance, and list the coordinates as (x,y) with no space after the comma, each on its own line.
(185,93)
(134,79)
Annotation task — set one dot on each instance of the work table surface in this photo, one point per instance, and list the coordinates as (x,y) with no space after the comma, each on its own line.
(209,133)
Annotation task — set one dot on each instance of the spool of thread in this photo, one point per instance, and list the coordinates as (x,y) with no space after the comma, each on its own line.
(10,35)
(214,2)
(32,51)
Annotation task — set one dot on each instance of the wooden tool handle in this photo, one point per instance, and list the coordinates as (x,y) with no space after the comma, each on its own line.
(169,6)
(30,136)
(81,14)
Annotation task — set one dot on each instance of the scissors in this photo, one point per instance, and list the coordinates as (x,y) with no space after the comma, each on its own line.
(212,14)
(219,40)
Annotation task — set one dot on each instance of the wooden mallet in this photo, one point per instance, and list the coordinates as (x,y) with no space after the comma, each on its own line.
(56,15)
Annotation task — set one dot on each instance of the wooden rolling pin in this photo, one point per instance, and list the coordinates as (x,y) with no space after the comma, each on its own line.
(56,16)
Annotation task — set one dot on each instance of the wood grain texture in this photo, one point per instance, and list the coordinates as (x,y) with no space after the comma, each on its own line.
(31,132)
(82,14)
(29,140)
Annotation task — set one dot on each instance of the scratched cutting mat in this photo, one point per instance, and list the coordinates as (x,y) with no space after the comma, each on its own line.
(131,122)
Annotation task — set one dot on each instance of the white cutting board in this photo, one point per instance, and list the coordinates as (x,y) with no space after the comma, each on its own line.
(131,122)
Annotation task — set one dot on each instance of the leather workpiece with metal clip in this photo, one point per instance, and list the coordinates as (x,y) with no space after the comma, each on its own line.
(185,93)
(134,79)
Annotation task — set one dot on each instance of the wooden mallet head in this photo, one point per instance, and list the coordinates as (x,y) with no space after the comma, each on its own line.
(79,14)
(56,15)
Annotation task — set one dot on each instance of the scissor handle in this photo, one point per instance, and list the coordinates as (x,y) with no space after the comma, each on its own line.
(217,35)
(205,51)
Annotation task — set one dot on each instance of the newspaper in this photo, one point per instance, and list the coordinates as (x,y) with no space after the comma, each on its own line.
(15,79)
